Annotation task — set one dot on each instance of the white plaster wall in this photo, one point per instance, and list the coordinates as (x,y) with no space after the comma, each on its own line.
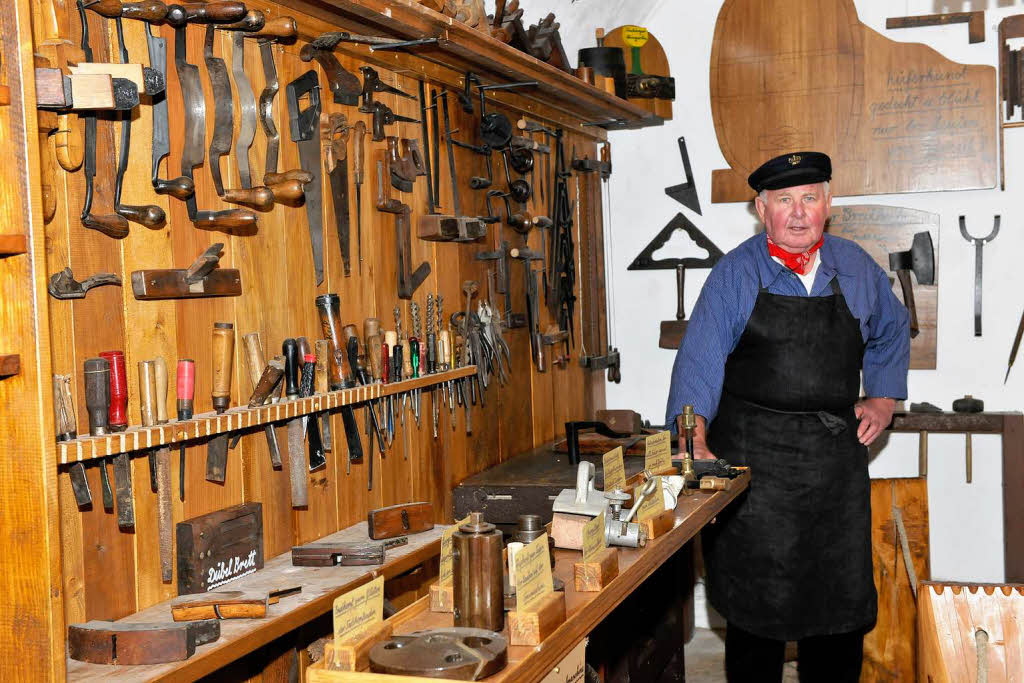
(966,519)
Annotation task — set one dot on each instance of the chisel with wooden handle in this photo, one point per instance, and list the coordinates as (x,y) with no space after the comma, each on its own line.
(257,364)
(223,352)
(67,430)
(296,467)
(164,519)
(186,390)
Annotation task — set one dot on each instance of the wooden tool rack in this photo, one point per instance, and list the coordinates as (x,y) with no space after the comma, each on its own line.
(584,610)
(64,565)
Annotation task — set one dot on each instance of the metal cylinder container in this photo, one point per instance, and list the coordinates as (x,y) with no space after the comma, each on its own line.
(478,575)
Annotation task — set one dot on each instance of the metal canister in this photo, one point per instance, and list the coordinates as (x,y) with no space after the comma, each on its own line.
(478,575)
(530,528)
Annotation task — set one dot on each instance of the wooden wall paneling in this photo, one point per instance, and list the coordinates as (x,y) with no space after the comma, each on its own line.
(30,574)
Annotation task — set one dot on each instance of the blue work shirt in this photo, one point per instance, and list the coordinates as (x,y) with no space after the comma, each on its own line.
(727,300)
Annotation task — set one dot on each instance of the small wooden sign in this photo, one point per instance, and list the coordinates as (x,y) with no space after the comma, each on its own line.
(593,537)
(653,505)
(659,452)
(533,574)
(357,611)
(445,572)
(614,470)
(219,547)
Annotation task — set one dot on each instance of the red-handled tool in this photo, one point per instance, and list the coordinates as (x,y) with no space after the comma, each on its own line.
(186,389)
(118,413)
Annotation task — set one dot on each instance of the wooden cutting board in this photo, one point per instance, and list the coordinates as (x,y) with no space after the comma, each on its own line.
(894,117)
(644,55)
(881,230)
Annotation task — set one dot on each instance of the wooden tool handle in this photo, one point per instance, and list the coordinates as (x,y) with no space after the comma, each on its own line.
(305,348)
(148,215)
(254,358)
(205,13)
(323,366)
(179,188)
(118,413)
(908,299)
(160,366)
(406,359)
(922,454)
(282,28)
(358,150)
(232,218)
(289,190)
(148,10)
(272,179)
(223,350)
(253,20)
(147,392)
(63,409)
(111,224)
(185,387)
(261,198)
(400,520)
(69,142)
(47,173)
(97,394)
(267,383)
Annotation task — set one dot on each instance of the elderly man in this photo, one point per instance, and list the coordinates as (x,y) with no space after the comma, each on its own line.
(772,362)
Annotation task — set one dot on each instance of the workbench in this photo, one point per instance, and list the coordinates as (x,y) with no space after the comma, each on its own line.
(585,611)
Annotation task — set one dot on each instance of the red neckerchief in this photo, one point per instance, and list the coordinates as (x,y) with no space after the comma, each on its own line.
(795,262)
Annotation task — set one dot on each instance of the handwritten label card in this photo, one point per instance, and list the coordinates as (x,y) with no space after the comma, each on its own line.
(358,610)
(614,470)
(658,452)
(533,574)
(445,574)
(593,537)
(653,504)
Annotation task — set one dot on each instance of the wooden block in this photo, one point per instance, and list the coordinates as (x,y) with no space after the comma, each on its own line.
(660,525)
(219,547)
(531,628)
(595,575)
(355,656)
(50,88)
(399,520)
(567,530)
(13,244)
(92,91)
(442,598)
(10,364)
(173,284)
(132,72)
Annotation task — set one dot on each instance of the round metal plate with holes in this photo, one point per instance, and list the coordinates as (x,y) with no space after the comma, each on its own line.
(462,654)
(496,130)
(520,190)
(521,160)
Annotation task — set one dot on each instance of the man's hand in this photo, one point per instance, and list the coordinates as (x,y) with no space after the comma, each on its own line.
(874,414)
(700,446)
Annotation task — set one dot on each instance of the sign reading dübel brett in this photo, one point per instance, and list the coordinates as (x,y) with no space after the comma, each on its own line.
(445,571)
(533,574)
(358,610)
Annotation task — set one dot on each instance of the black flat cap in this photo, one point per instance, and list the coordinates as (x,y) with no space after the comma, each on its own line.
(789,170)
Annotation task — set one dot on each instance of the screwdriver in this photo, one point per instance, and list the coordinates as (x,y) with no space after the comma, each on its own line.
(186,390)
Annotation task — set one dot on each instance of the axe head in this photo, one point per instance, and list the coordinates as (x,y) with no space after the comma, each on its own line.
(920,259)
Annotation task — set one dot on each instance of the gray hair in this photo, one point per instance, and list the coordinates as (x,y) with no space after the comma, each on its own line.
(764,193)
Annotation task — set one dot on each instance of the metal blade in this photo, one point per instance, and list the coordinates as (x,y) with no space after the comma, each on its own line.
(297,465)
(247,107)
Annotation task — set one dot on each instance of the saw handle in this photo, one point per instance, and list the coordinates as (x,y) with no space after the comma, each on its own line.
(223,351)
(908,300)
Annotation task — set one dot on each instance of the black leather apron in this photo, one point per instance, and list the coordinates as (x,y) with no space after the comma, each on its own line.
(792,557)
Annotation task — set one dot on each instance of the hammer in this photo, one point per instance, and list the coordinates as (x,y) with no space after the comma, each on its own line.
(921,260)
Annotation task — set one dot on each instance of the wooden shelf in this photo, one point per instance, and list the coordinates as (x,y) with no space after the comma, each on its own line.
(238,637)
(210,424)
(584,610)
(462,48)
(11,245)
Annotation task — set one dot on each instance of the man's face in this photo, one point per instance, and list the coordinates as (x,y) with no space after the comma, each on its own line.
(795,216)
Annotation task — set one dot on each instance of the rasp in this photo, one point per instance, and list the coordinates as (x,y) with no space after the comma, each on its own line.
(180,187)
(335,140)
(304,125)
(193,148)
(113,225)
(149,215)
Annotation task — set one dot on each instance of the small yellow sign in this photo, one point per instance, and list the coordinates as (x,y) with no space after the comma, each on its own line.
(358,610)
(658,452)
(635,36)
(593,537)
(652,505)
(614,470)
(445,573)
(533,574)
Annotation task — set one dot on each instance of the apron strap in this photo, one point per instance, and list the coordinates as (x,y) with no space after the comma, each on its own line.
(834,285)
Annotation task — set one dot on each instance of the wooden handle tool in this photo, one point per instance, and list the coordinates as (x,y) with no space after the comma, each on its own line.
(223,350)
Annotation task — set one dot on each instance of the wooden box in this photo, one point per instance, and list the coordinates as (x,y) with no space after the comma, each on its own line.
(219,547)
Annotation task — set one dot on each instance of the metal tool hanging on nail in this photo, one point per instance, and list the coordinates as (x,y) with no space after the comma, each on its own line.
(979,243)
(304,127)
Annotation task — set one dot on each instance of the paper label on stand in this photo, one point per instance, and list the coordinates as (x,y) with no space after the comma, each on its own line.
(358,610)
(652,505)
(445,572)
(593,537)
(658,452)
(533,574)
(635,36)
(613,470)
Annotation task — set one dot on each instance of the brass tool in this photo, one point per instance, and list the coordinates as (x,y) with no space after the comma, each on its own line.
(968,404)
(686,425)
